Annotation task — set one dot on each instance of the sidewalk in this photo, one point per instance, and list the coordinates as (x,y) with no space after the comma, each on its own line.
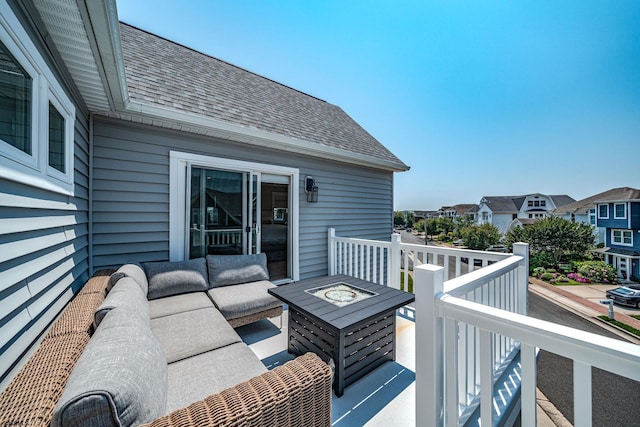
(584,301)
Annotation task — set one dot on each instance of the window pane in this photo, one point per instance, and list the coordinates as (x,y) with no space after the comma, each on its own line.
(56,139)
(15,102)
(603,213)
(620,211)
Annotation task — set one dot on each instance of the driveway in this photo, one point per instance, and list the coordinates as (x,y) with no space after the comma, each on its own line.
(596,293)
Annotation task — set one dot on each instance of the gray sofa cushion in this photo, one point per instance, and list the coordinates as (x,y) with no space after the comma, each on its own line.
(120,378)
(134,271)
(197,377)
(173,278)
(194,332)
(125,294)
(227,270)
(179,304)
(245,299)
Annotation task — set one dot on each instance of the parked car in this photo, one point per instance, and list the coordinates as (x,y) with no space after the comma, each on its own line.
(625,295)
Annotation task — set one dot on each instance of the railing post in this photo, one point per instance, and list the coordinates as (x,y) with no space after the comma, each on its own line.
(429,349)
(395,261)
(522,249)
(332,251)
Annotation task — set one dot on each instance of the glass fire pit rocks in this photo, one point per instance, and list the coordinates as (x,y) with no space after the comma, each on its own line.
(341,294)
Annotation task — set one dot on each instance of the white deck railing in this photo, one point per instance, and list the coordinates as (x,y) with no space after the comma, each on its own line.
(472,330)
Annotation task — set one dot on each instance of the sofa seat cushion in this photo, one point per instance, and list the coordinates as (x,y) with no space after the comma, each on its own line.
(193,332)
(120,378)
(125,294)
(175,278)
(245,299)
(225,270)
(197,377)
(175,304)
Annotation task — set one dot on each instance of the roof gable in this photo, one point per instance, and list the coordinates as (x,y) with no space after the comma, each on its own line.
(583,206)
(165,74)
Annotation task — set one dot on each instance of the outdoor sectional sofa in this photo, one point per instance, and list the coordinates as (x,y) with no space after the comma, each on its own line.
(160,349)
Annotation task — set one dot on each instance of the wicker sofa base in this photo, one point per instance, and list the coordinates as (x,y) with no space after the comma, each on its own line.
(295,394)
(245,320)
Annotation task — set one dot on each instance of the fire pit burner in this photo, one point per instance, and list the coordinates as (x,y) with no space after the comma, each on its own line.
(341,294)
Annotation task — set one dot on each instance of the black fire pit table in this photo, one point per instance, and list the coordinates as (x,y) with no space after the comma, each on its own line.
(344,319)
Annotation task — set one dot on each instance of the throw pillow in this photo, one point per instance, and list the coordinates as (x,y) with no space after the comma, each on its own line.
(225,270)
(174,278)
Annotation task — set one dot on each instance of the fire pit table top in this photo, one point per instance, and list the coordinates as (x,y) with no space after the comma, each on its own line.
(341,301)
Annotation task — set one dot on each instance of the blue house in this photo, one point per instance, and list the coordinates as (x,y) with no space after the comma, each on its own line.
(621,220)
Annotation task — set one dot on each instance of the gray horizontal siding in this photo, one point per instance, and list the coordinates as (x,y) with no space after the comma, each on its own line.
(44,250)
(43,257)
(131,194)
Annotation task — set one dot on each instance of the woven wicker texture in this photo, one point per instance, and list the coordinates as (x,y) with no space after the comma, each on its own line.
(78,316)
(295,394)
(245,320)
(31,396)
(97,283)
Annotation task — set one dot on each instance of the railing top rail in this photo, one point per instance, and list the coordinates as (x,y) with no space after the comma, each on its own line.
(470,253)
(463,284)
(362,241)
(609,354)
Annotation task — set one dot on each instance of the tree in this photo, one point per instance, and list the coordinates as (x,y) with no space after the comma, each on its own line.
(445,225)
(564,240)
(480,237)
(419,225)
(410,219)
(461,222)
(398,218)
(430,226)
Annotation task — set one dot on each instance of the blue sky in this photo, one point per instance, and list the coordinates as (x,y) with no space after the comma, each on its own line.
(479,98)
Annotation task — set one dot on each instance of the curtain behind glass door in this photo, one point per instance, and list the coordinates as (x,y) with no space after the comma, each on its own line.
(216,212)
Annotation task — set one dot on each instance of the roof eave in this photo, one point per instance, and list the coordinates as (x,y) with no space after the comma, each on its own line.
(103,29)
(253,136)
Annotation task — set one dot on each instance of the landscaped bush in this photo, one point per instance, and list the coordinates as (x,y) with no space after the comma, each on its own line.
(578,278)
(597,271)
(541,259)
(547,277)
(539,271)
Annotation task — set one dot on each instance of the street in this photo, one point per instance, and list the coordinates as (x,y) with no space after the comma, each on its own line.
(614,398)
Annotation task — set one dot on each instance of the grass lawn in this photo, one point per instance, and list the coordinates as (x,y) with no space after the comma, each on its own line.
(409,282)
(621,325)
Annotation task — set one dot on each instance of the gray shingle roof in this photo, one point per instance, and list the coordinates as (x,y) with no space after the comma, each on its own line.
(562,200)
(583,206)
(501,204)
(163,73)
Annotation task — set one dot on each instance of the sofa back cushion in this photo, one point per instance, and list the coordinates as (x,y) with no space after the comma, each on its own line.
(120,378)
(134,271)
(174,278)
(225,270)
(126,294)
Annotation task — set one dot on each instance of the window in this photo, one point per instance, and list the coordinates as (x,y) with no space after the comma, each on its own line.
(592,216)
(15,102)
(603,211)
(620,211)
(36,116)
(622,237)
(536,203)
(543,203)
(530,203)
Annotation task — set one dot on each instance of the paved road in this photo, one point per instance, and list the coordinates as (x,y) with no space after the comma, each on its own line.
(615,399)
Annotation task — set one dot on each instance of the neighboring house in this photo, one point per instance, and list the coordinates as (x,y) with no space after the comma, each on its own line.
(502,210)
(585,210)
(620,217)
(117,145)
(458,210)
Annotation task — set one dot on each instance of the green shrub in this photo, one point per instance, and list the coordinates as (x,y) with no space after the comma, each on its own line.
(547,277)
(597,271)
(541,259)
(539,271)
(551,270)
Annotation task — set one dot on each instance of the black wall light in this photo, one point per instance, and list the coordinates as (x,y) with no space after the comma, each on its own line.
(311,189)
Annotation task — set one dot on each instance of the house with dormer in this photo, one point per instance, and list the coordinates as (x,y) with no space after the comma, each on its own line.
(501,211)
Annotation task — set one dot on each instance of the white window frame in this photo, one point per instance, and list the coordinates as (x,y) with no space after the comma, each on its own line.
(33,169)
(622,236)
(615,212)
(598,213)
(178,164)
